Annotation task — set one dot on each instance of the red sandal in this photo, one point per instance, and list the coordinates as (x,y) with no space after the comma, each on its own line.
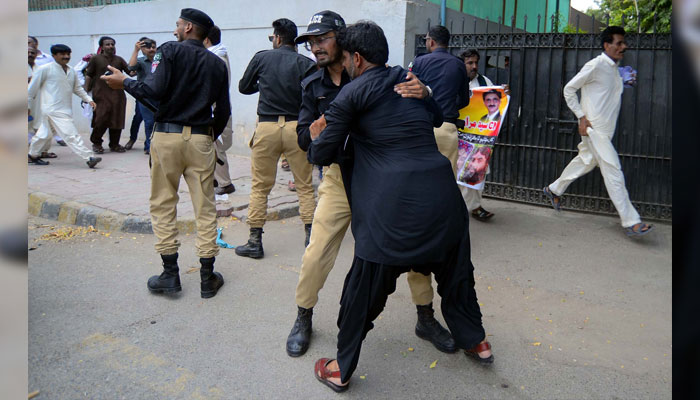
(322,374)
(474,353)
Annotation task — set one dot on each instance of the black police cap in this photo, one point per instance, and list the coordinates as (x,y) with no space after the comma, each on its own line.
(60,48)
(322,22)
(197,17)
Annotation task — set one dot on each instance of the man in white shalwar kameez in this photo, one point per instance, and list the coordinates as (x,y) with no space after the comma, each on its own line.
(601,96)
(55,82)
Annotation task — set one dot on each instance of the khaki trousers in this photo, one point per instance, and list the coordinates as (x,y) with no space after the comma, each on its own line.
(331,221)
(269,141)
(182,154)
(447,140)
(223,143)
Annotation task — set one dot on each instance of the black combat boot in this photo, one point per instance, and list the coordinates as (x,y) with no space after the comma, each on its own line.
(307,229)
(253,248)
(211,281)
(429,328)
(300,336)
(169,280)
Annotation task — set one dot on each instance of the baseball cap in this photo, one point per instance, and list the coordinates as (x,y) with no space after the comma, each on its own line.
(322,22)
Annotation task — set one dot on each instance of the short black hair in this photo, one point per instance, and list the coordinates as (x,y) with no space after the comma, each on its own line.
(214,35)
(492,91)
(469,53)
(34,39)
(607,35)
(144,38)
(367,39)
(59,48)
(440,35)
(103,38)
(199,31)
(286,29)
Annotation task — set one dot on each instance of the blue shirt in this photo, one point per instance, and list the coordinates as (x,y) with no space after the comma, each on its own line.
(447,77)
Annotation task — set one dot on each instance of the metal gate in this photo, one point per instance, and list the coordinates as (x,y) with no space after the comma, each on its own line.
(539,136)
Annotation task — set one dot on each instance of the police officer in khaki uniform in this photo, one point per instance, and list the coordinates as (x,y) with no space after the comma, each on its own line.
(332,216)
(187,79)
(276,74)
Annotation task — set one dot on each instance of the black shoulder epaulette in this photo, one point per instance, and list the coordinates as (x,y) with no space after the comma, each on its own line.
(316,75)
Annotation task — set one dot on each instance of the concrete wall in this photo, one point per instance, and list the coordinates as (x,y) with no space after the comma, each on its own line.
(245,27)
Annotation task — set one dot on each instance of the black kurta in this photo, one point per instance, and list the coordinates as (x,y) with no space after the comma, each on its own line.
(406,207)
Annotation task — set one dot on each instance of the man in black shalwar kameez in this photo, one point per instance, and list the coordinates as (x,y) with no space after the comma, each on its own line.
(407,212)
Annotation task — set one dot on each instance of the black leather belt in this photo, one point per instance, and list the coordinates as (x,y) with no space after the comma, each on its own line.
(459,123)
(169,127)
(275,118)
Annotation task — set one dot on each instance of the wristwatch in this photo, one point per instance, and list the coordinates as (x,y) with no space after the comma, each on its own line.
(430,91)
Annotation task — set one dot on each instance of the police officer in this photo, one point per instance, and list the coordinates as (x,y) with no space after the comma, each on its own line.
(187,79)
(276,74)
(332,216)
(446,75)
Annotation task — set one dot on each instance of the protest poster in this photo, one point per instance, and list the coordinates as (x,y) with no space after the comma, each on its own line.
(482,122)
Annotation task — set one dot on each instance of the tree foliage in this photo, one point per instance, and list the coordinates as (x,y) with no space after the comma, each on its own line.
(624,13)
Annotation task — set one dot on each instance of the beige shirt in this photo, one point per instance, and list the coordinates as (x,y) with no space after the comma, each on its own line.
(601,93)
(55,87)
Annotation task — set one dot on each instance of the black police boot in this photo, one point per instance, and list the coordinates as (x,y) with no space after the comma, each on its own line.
(211,281)
(307,229)
(429,328)
(300,336)
(254,247)
(169,280)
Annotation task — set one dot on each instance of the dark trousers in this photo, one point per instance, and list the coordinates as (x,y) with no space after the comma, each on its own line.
(99,131)
(368,285)
(135,123)
(148,119)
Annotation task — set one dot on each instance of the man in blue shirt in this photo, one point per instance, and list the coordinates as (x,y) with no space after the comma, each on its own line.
(446,75)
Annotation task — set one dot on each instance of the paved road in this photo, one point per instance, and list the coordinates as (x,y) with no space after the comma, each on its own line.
(573,308)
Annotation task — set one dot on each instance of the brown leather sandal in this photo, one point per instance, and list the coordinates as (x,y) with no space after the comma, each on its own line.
(474,353)
(46,154)
(322,373)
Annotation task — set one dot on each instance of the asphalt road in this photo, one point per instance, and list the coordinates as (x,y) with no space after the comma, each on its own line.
(572,307)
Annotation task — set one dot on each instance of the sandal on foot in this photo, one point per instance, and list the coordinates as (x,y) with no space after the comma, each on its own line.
(553,198)
(36,161)
(292,186)
(474,353)
(117,148)
(481,214)
(285,165)
(46,154)
(322,373)
(642,229)
(97,149)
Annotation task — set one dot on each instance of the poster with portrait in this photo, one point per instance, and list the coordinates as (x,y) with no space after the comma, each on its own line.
(482,122)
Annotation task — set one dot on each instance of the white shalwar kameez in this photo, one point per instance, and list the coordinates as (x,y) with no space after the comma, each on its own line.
(55,87)
(601,97)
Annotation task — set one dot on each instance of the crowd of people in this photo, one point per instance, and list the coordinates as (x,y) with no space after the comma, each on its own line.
(392,180)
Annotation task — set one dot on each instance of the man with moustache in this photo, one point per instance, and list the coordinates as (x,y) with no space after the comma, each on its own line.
(187,80)
(407,212)
(333,214)
(111,103)
(601,96)
(56,82)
